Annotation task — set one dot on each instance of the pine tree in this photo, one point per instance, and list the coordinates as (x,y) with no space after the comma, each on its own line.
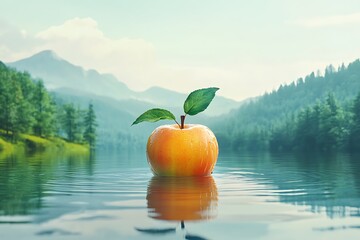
(354,141)
(90,126)
(305,138)
(17,110)
(330,124)
(6,101)
(25,109)
(44,111)
(71,123)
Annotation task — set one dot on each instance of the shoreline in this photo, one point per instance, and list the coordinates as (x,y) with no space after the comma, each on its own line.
(33,144)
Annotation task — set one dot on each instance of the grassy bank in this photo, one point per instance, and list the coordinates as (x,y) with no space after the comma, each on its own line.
(6,148)
(32,143)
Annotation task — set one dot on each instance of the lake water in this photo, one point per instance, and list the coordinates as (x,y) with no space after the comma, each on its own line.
(115,196)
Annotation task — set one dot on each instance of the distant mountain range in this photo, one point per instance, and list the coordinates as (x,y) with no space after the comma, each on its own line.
(116,105)
(57,73)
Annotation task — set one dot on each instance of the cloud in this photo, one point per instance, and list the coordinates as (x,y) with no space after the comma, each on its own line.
(329,21)
(73,29)
(82,42)
(132,60)
(15,43)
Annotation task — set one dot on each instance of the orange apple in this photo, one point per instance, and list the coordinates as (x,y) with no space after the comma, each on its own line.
(182,199)
(188,150)
(182,150)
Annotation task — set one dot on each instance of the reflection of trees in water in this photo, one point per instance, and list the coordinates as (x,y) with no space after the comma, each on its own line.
(355,171)
(23,179)
(329,184)
(21,186)
(326,183)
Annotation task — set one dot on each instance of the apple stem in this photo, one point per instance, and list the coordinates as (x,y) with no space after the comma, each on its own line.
(182,121)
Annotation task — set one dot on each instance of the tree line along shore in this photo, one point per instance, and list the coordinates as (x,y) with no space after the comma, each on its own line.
(31,119)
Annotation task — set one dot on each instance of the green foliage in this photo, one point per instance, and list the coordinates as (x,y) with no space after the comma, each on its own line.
(90,125)
(154,115)
(44,111)
(27,107)
(199,100)
(71,123)
(196,102)
(6,148)
(15,98)
(317,113)
(354,138)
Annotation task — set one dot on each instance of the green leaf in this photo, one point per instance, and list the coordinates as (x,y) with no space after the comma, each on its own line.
(199,100)
(154,115)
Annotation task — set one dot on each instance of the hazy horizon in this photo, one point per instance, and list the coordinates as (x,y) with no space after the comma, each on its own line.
(245,48)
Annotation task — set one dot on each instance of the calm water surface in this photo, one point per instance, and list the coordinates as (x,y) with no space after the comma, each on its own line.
(115,196)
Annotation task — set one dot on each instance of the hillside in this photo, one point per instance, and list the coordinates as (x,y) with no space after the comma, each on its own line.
(254,125)
(29,118)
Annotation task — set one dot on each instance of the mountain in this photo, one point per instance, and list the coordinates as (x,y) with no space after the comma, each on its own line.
(58,73)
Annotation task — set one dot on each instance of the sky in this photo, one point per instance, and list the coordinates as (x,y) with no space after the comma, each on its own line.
(245,48)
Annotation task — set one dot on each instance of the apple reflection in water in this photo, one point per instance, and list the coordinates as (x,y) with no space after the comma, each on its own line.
(181,199)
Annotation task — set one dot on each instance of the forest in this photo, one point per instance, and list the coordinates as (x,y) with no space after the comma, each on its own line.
(319,112)
(315,113)
(28,108)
